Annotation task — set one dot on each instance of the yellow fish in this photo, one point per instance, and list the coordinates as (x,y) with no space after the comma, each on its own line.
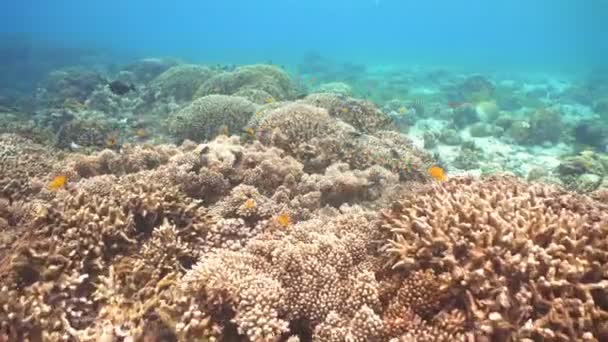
(436,173)
(284,220)
(402,110)
(249,203)
(269,100)
(57,182)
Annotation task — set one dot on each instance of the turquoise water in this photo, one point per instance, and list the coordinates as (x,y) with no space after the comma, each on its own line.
(524,34)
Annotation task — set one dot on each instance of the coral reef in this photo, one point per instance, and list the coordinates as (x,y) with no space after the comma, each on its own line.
(267,78)
(180,82)
(208,116)
(22,165)
(293,211)
(68,84)
(362,115)
(145,70)
(523,262)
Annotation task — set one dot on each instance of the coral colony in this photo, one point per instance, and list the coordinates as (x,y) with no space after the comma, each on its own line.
(205,203)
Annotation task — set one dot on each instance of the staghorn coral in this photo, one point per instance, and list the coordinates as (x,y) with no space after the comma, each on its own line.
(58,263)
(209,116)
(525,260)
(185,243)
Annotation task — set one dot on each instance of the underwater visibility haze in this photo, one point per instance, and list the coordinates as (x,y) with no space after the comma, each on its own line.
(362,171)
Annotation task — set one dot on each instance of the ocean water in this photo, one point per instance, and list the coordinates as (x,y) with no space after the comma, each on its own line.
(553,34)
(290,170)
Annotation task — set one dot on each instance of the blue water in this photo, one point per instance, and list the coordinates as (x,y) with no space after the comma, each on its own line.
(553,34)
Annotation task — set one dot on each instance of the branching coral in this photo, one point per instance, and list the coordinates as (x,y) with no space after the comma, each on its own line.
(22,164)
(525,261)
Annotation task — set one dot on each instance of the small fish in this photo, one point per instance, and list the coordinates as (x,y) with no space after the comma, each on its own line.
(403,110)
(418,102)
(111,141)
(120,87)
(74,146)
(313,80)
(249,131)
(436,173)
(140,133)
(269,100)
(249,203)
(284,220)
(57,182)
(344,110)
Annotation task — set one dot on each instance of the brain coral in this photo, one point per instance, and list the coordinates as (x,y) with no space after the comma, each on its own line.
(180,81)
(267,78)
(524,261)
(208,116)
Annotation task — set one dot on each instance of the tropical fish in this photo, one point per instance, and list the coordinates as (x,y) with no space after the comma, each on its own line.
(120,87)
(437,173)
(112,140)
(249,203)
(269,100)
(57,182)
(249,131)
(141,133)
(403,110)
(284,220)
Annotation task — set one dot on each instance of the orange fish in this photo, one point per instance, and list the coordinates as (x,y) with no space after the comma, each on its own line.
(249,203)
(249,130)
(57,182)
(284,219)
(436,173)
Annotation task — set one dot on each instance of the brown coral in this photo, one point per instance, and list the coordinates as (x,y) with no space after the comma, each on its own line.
(525,261)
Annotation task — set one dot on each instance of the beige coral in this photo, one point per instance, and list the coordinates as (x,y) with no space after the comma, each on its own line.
(526,260)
